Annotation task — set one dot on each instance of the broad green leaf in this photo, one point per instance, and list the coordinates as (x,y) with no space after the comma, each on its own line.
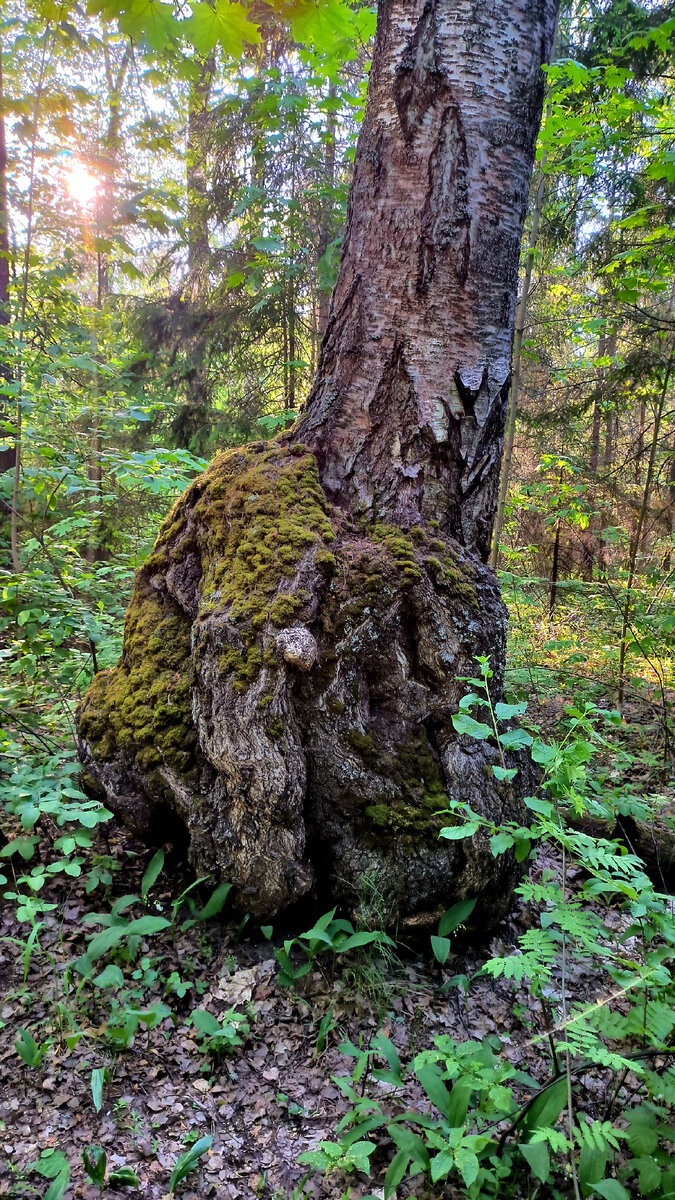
(441,948)
(216,902)
(98,1077)
(543,754)
(144,926)
(365,938)
(464,724)
(95,1164)
(441,1165)
(641,1134)
(536,1154)
(539,805)
(384,1046)
(546,1109)
(225,23)
(53,1165)
(500,842)
(467,1164)
(504,712)
(124,1177)
(319,23)
(151,19)
(205,1022)
(151,873)
(411,1142)
(592,1165)
(110,976)
(454,917)
(430,1079)
(502,773)
(395,1172)
(611,1189)
(459,1104)
(649,1174)
(188,1161)
(105,940)
(454,833)
(515,739)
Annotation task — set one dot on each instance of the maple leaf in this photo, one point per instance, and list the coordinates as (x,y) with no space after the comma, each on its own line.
(152,20)
(226,23)
(319,23)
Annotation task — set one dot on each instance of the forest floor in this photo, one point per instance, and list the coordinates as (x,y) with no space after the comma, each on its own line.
(266,1101)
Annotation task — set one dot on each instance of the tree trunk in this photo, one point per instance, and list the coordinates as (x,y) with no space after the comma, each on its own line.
(327,214)
(192,423)
(593,544)
(197,181)
(407,412)
(330,589)
(96,549)
(7,456)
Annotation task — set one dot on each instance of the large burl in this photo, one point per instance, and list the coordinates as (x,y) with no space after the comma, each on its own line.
(286,687)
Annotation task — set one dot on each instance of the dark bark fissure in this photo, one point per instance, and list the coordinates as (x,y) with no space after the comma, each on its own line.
(329,589)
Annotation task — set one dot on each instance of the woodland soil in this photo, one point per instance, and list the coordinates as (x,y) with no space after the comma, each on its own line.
(268,1101)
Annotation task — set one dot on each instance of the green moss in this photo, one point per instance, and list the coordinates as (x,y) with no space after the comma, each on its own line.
(258,517)
(275,728)
(363,744)
(283,608)
(143,704)
(419,794)
(448,572)
(262,514)
(326,562)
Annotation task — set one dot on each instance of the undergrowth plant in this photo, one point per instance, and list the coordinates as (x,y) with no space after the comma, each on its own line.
(329,935)
(592,1113)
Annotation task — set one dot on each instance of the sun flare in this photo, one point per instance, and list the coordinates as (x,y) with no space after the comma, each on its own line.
(81,184)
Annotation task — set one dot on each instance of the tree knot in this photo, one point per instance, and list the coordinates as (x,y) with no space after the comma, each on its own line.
(297,646)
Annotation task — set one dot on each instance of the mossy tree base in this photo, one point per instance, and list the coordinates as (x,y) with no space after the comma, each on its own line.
(286,688)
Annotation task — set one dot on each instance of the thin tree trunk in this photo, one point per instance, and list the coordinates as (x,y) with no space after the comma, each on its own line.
(6,456)
(4,221)
(594,465)
(515,386)
(553,589)
(197,181)
(636,540)
(95,551)
(640,448)
(671,509)
(327,208)
(192,421)
(407,413)
(290,288)
(18,420)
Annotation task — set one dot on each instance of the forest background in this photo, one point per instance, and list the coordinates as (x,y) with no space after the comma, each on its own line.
(172,197)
